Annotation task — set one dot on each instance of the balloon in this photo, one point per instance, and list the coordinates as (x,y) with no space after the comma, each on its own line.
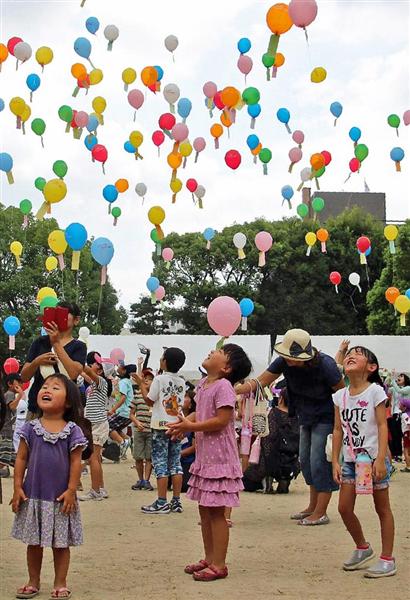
(391,294)
(128,76)
(199,145)
(65,113)
(254,110)
(90,141)
(184,107)
(135,99)
(122,185)
(6,165)
(11,326)
(160,72)
(335,277)
(318,204)
(209,234)
(244,45)
(354,279)
(233,159)
(92,24)
(51,263)
(191,185)
(16,249)
(111,33)
(99,152)
(278,19)
(251,95)
(200,192)
(92,123)
(60,168)
(156,215)
(302,12)
(84,334)
(239,240)
(302,210)
(174,160)
(22,51)
(116,356)
(355,134)
(336,109)
(245,64)
(44,293)
(11,44)
(318,75)
(11,365)
(180,132)
(76,236)
(209,88)
(3,54)
(408,293)
(25,207)
(327,156)
(38,126)
(263,241)
(171,94)
(160,292)
(354,165)
(216,131)
(1,104)
(152,284)
(54,191)
(401,304)
(57,242)
(110,193)
(82,47)
(252,141)
(99,104)
(394,121)
(185,149)
(17,106)
(141,189)
(149,76)
(310,238)
(44,56)
(176,185)
(363,243)
(391,232)
(171,43)
(136,138)
(166,121)
(33,82)
(247,307)
(265,156)
(158,138)
(295,155)
(317,161)
(224,315)
(298,137)
(167,254)
(102,251)
(397,154)
(116,213)
(361,152)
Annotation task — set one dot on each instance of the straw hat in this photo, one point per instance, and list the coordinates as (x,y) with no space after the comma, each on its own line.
(296,345)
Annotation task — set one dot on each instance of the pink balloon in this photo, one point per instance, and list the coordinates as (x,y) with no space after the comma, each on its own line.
(210,89)
(81,118)
(199,144)
(167,254)
(136,98)
(245,64)
(116,355)
(298,137)
(302,12)
(160,292)
(180,132)
(224,315)
(406,117)
(263,241)
(295,155)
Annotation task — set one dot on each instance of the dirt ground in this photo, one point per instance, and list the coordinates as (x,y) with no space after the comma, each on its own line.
(129,555)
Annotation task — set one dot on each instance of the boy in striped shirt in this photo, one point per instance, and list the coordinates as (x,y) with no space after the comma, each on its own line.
(142,435)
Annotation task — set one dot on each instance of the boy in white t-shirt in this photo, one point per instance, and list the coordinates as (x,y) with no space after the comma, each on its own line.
(166,396)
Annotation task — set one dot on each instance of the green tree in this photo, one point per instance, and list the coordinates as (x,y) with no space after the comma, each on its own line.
(147,318)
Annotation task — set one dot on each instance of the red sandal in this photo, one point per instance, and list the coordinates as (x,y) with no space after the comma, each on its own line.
(211,573)
(195,567)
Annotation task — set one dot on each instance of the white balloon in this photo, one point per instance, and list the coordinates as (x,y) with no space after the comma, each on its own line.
(200,191)
(22,51)
(111,33)
(354,278)
(239,240)
(141,189)
(171,43)
(84,333)
(171,93)
(305,174)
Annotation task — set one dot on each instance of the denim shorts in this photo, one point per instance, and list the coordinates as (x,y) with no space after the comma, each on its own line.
(166,455)
(316,470)
(349,475)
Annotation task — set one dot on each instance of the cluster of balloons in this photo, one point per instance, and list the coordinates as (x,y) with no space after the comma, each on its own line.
(110,194)
(401,302)
(225,314)
(156,289)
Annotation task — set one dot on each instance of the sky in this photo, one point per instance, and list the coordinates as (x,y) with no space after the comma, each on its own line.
(364,46)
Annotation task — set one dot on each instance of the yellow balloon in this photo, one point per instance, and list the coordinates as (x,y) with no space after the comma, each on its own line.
(391,232)
(16,248)
(99,104)
(129,75)
(318,75)
(17,106)
(96,76)
(136,138)
(176,185)
(44,292)
(185,149)
(402,304)
(156,215)
(55,190)
(44,55)
(310,238)
(26,114)
(57,241)
(51,263)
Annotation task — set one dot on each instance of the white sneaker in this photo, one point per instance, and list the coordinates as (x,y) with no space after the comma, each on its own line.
(103,493)
(382,568)
(91,495)
(123,449)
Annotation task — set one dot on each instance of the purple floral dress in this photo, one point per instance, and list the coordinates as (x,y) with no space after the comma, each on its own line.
(40,521)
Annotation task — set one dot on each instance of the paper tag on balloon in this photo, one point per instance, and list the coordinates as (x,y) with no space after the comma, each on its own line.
(392,247)
(323,246)
(153,298)
(309,248)
(220,343)
(12,341)
(10,177)
(42,211)
(60,259)
(244,324)
(241,253)
(168,264)
(403,320)
(104,275)
(158,248)
(208,245)
(262,259)
(363,260)
(75,261)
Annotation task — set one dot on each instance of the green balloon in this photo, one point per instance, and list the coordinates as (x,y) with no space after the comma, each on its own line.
(251,95)
(38,126)
(268,60)
(40,182)
(361,152)
(302,210)
(116,212)
(60,168)
(393,121)
(25,206)
(318,204)
(65,113)
(265,155)
(319,172)
(48,302)
(155,237)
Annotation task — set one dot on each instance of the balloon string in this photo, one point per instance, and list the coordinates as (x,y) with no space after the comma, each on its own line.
(99,303)
(352,301)
(62,285)
(76,288)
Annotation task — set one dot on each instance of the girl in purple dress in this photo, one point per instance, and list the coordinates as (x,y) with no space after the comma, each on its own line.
(45,502)
(216,474)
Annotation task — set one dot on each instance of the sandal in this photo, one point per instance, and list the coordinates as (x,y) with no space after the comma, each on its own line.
(300,515)
(195,567)
(27,591)
(211,573)
(62,592)
(324,520)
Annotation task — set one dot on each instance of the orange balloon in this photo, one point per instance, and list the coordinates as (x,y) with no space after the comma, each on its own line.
(322,235)
(279,60)
(122,185)
(3,53)
(149,76)
(79,71)
(174,160)
(256,150)
(278,19)
(230,96)
(216,130)
(391,294)
(317,161)
(225,120)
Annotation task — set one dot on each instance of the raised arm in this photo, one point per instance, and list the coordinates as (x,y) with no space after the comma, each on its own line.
(265,379)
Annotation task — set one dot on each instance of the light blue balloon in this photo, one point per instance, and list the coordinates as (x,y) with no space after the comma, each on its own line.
(283,115)
(6,162)
(407,293)
(252,141)
(90,141)
(254,110)
(184,107)
(209,234)
(128,147)
(247,306)
(82,47)
(355,134)
(11,325)
(244,45)
(93,123)
(110,193)
(76,236)
(287,192)
(33,82)
(368,251)
(160,72)
(152,284)
(102,251)
(397,154)
(336,109)
(92,24)
(1,104)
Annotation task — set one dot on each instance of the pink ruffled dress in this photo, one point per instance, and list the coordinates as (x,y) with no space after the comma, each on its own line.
(216,474)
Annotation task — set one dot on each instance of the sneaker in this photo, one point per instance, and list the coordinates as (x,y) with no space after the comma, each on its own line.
(91,495)
(147,486)
(358,558)
(103,493)
(176,506)
(383,568)
(123,449)
(139,485)
(156,508)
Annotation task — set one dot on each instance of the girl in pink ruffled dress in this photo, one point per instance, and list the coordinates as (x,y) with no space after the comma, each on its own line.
(216,474)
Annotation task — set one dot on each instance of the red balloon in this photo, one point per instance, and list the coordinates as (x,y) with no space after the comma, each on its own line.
(11,365)
(335,277)
(85,83)
(12,43)
(158,138)
(192,184)
(218,101)
(327,156)
(73,123)
(363,243)
(99,152)
(233,159)
(354,165)
(166,121)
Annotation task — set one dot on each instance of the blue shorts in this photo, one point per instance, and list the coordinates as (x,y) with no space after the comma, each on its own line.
(165,455)
(349,475)
(316,470)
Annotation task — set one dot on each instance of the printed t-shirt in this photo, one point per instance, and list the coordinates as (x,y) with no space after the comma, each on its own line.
(167,392)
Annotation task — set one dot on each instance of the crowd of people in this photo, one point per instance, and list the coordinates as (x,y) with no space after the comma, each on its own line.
(330,418)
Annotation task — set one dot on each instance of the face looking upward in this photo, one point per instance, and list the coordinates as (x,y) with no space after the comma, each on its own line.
(356,362)
(217,363)
(52,397)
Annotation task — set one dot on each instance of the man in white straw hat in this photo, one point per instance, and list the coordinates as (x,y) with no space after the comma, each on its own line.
(311,378)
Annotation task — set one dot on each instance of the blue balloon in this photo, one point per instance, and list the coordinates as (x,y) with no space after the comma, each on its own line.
(90,141)
(184,107)
(1,104)
(152,284)
(76,236)
(83,47)
(244,45)
(407,293)
(33,82)
(336,109)
(254,110)
(6,162)
(283,115)
(397,154)
(247,306)
(287,192)
(355,134)
(128,147)
(110,193)
(93,123)
(92,24)
(368,251)
(252,141)
(160,72)
(11,325)
(209,234)
(102,251)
